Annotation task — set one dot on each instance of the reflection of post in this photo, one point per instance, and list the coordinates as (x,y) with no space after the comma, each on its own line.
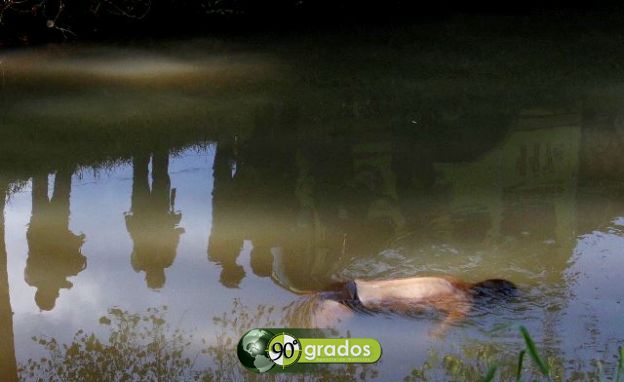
(226,238)
(140,183)
(53,250)
(152,221)
(161,182)
(8,369)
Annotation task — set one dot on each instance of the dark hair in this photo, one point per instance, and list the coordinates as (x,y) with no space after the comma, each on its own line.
(494,289)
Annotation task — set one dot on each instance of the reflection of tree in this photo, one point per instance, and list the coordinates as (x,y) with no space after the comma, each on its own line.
(144,347)
(54,251)
(236,322)
(470,365)
(8,369)
(152,221)
(140,347)
(473,360)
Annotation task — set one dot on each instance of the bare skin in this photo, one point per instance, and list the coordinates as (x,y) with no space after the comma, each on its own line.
(404,296)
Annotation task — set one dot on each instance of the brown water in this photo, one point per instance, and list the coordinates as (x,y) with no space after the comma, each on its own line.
(225,179)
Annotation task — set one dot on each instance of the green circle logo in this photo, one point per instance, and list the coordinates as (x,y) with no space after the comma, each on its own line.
(252,350)
(284,349)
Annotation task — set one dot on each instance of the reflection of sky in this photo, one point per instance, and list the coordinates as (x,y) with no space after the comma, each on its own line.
(593,318)
(192,290)
(590,320)
(98,203)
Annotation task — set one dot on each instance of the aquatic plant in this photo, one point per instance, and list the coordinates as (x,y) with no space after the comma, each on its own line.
(238,320)
(620,366)
(542,363)
(533,353)
(520,362)
(144,347)
(493,363)
(489,376)
(139,347)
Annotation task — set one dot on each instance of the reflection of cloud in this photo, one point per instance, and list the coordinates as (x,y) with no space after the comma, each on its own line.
(89,296)
(97,207)
(596,302)
(17,215)
(619,221)
(112,64)
(129,68)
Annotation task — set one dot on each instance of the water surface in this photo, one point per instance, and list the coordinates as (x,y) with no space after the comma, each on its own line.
(229,180)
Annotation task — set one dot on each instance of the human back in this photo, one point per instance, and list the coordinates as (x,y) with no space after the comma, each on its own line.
(412,295)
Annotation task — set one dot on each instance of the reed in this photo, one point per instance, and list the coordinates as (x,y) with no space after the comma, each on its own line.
(620,366)
(520,362)
(489,376)
(534,354)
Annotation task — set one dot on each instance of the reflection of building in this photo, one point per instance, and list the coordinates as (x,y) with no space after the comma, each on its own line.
(8,367)
(312,204)
(524,189)
(152,221)
(601,173)
(348,199)
(53,250)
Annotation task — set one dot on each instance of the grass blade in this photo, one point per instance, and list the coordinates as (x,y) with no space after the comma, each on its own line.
(620,366)
(601,374)
(532,349)
(520,362)
(490,374)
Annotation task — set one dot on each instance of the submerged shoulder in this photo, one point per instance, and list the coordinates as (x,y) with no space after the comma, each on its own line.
(458,283)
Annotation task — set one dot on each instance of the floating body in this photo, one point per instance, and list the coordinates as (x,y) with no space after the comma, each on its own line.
(411,296)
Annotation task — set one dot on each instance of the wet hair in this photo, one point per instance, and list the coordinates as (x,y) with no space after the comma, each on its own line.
(494,289)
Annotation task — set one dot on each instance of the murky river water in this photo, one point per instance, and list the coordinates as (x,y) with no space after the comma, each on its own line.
(227,180)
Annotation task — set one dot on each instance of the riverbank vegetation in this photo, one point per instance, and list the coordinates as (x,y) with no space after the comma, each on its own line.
(144,346)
